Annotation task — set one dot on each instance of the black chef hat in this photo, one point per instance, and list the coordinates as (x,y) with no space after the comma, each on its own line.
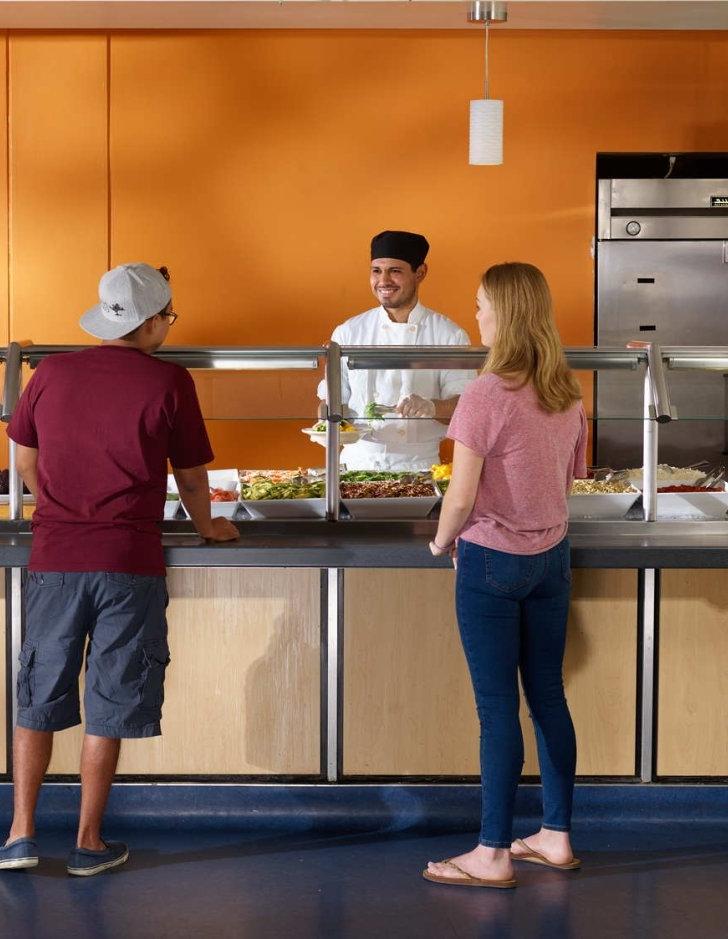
(402,245)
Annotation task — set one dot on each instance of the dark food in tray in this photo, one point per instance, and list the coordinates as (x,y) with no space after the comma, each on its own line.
(386,489)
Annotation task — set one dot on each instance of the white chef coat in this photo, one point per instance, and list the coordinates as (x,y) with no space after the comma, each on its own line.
(397,444)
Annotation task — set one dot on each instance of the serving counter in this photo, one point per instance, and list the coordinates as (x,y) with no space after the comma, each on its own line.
(327,650)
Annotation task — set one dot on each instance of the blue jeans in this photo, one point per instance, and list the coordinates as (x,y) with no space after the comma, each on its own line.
(512,611)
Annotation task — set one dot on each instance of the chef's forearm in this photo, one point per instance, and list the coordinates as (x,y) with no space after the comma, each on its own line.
(444,408)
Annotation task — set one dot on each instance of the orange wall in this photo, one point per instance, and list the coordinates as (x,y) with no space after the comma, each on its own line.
(257,164)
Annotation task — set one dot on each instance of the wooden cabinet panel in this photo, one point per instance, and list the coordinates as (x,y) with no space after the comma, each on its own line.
(58,176)
(692,723)
(408,702)
(242,690)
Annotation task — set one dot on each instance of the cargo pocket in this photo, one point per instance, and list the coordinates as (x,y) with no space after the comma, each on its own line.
(25,676)
(156,659)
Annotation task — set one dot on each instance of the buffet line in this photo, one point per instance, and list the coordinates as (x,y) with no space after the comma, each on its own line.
(644,517)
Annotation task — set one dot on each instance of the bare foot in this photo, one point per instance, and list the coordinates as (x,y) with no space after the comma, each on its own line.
(483,863)
(554,845)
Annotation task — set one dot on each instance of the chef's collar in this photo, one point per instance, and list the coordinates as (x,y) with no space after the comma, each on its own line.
(416,316)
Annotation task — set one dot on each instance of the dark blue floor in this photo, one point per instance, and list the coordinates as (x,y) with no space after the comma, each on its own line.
(651,880)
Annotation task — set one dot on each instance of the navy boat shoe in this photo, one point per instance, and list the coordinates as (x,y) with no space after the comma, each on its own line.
(85,863)
(19,854)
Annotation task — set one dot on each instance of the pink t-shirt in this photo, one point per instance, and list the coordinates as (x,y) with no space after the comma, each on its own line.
(531,457)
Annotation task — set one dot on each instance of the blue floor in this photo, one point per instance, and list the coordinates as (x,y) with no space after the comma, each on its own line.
(647,879)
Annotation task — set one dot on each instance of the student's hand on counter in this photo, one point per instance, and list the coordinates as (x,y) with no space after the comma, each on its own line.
(416,406)
(438,552)
(221,529)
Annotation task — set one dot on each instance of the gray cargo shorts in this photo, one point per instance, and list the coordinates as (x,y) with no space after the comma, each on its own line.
(119,621)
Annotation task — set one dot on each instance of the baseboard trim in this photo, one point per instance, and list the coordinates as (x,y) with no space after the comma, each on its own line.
(382,808)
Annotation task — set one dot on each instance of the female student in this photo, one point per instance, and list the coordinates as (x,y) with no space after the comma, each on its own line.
(520,439)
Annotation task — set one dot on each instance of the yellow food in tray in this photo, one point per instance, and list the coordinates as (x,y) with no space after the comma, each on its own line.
(441,470)
(595,487)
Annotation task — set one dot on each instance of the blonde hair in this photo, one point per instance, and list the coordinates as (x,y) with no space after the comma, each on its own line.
(527,345)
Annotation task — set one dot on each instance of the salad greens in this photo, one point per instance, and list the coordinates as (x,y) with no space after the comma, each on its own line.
(262,489)
(374,411)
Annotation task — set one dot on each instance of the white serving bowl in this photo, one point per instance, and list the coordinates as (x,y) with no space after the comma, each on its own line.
(614,505)
(285,508)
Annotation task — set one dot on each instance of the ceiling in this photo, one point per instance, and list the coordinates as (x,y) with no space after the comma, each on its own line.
(356,14)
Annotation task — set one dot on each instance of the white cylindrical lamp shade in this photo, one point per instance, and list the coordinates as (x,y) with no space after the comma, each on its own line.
(486,132)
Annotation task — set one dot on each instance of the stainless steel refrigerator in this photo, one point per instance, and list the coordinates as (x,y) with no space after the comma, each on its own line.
(662,275)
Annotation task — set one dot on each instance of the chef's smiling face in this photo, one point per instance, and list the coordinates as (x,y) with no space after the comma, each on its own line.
(485,317)
(395,284)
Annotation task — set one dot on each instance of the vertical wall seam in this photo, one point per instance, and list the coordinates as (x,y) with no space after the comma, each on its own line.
(108,151)
(8,252)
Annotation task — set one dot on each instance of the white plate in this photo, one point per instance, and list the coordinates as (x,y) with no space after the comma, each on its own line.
(319,436)
(602,504)
(401,507)
(285,508)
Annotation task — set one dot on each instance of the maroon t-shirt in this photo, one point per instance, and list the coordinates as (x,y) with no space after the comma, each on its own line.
(105,421)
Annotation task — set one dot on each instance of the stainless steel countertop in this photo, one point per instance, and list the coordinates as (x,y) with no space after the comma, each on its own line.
(399,544)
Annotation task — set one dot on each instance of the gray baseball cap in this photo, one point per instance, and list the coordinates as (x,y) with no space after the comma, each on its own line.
(129,294)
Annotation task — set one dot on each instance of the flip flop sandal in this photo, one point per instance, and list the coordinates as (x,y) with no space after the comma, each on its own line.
(533,857)
(467,880)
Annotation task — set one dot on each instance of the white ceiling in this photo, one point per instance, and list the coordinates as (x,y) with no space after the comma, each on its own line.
(356,14)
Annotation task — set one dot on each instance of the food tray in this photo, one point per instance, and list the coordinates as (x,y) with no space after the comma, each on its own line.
(228,479)
(396,507)
(285,508)
(692,504)
(613,505)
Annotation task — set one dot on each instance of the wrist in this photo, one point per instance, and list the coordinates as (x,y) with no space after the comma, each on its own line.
(441,547)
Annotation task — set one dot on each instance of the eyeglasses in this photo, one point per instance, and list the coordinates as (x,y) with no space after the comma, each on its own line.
(171,316)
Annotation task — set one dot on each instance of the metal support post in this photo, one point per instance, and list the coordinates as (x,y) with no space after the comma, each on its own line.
(334,607)
(649,607)
(334,418)
(11,393)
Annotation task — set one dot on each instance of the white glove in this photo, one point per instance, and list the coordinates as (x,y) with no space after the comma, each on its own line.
(416,406)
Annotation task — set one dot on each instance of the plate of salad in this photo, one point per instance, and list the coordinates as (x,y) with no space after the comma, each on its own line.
(347,433)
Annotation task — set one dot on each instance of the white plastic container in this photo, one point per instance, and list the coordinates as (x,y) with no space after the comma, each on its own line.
(608,505)
(285,508)
(397,507)
(227,479)
(706,505)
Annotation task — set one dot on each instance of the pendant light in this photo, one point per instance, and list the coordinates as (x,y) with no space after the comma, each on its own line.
(486,114)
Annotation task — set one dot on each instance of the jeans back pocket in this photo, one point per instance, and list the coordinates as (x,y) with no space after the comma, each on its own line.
(508,573)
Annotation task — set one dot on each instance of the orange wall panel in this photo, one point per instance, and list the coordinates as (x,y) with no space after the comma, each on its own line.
(258,164)
(3,191)
(58,183)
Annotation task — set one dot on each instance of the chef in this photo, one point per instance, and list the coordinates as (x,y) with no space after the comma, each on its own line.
(421,400)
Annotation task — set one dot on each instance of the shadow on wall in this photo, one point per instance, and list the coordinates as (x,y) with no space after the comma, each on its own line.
(282,700)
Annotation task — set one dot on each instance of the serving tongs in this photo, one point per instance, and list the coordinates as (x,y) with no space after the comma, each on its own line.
(712,479)
(605,474)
